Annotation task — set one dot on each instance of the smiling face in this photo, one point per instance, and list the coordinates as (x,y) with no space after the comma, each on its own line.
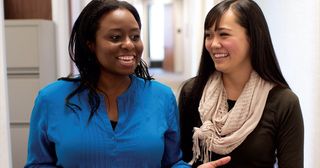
(228,45)
(118,46)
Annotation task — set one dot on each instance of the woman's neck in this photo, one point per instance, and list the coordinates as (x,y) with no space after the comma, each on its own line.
(235,82)
(113,86)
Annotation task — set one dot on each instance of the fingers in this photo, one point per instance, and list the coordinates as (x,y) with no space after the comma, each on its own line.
(216,163)
(221,161)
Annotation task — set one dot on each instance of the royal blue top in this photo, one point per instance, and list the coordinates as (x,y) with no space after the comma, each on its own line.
(146,135)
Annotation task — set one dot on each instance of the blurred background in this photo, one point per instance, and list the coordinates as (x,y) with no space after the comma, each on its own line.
(34,38)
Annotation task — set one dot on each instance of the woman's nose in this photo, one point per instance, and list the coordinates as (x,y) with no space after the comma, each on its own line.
(215,43)
(127,43)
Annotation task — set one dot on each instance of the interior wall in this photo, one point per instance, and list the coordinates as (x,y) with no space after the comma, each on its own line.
(5,145)
(61,18)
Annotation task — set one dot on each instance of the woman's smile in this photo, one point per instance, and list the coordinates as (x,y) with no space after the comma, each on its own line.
(127,60)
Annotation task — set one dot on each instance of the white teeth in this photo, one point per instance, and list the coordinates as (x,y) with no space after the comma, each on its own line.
(220,55)
(126,58)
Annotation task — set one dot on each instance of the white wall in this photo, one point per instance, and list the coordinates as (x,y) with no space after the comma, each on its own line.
(194,15)
(294,26)
(5,154)
(60,16)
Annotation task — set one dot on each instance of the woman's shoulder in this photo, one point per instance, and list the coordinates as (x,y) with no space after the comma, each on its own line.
(59,87)
(282,99)
(283,94)
(154,85)
(188,85)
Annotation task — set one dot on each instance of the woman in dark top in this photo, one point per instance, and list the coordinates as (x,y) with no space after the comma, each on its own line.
(239,104)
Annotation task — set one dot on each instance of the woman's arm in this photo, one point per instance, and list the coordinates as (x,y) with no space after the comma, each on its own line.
(41,152)
(172,154)
(290,136)
(189,117)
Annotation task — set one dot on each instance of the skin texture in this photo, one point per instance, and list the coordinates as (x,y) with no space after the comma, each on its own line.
(118,37)
(228,45)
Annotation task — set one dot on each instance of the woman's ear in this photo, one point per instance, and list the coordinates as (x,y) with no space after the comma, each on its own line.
(91,46)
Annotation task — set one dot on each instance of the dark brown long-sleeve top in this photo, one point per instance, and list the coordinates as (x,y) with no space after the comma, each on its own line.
(277,139)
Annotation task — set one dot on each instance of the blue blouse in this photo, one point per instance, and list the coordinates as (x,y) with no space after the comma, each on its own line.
(146,136)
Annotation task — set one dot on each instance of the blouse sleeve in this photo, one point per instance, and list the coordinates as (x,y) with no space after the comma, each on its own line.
(172,154)
(41,152)
(290,136)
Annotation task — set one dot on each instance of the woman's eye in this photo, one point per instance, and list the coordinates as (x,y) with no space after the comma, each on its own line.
(115,37)
(135,37)
(224,34)
(207,35)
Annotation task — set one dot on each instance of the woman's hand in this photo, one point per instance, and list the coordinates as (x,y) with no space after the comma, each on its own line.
(216,163)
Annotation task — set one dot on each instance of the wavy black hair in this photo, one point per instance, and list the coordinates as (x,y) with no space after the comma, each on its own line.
(84,31)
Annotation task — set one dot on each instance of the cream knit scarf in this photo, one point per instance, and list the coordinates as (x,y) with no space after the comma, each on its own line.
(223,131)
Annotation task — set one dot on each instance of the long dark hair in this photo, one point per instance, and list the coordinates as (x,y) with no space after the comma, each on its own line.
(84,31)
(263,57)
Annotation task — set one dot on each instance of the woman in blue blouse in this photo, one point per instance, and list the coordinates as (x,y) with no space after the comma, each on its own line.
(114,114)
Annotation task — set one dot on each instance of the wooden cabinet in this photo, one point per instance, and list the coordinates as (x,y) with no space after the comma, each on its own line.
(27,9)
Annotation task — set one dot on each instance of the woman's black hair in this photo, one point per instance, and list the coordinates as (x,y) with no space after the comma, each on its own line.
(84,31)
